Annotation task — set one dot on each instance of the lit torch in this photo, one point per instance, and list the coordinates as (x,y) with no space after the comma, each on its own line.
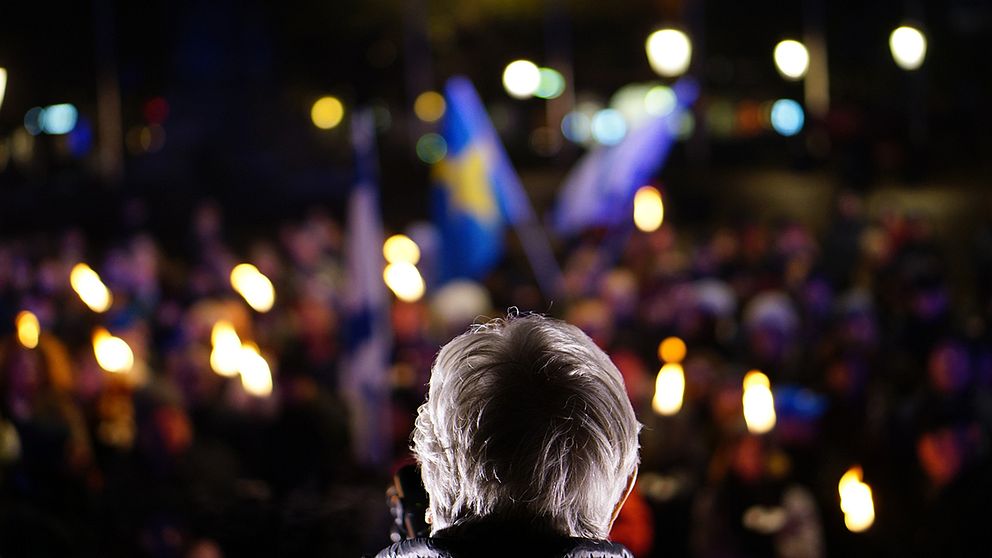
(759,405)
(856,501)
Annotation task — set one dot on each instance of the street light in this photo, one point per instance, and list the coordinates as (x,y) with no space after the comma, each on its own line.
(521,78)
(908,46)
(791,59)
(669,52)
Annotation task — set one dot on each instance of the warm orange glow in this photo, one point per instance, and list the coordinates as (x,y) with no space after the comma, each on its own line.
(649,211)
(759,405)
(405,281)
(856,501)
(90,288)
(226,353)
(28,329)
(669,388)
(112,353)
(672,349)
(253,286)
(401,248)
(256,377)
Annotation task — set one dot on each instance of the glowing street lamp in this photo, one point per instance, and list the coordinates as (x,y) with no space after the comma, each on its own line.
(521,79)
(791,59)
(669,52)
(908,46)
(327,112)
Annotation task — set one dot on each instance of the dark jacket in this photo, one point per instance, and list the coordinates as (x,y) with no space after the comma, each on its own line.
(492,539)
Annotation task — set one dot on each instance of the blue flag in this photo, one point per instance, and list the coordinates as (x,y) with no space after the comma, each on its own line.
(599,190)
(477,192)
(365,376)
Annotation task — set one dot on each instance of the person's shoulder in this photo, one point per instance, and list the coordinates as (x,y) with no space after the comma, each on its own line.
(422,547)
(589,548)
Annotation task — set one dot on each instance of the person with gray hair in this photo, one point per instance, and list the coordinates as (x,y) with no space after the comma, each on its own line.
(527,444)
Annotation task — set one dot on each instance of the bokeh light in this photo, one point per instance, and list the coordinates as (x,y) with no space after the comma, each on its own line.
(59,119)
(431,148)
(327,112)
(672,349)
(759,405)
(682,124)
(521,78)
(226,352)
(405,281)
(630,100)
(3,84)
(669,52)
(112,353)
(608,127)
(429,106)
(649,211)
(256,376)
(791,59)
(90,288)
(33,120)
(550,85)
(787,117)
(253,286)
(660,100)
(401,248)
(908,46)
(576,127)
(28,329)
(856,501)
(669,389)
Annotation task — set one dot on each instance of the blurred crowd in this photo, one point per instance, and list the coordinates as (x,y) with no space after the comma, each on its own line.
(876,359)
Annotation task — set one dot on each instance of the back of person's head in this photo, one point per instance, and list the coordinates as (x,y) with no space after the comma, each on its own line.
(526,419)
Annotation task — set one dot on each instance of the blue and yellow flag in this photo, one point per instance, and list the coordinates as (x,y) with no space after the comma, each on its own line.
(477,192)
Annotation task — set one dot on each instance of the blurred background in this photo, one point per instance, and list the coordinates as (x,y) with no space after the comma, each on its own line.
(233,235)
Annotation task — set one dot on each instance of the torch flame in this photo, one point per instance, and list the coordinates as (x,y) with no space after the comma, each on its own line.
(90,288)
(759,404)
(669,389)
(856,501)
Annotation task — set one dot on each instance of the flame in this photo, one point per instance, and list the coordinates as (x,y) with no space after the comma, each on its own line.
(856,501)
(404,280)
(226,353)
(669,388)
(28,329)
(112,353)
(649,211)
(256,377)
(759,404)
(90,288)
(253,286)
(401,248)
(672,349)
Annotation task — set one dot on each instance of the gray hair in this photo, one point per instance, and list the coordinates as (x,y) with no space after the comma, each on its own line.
(526,418)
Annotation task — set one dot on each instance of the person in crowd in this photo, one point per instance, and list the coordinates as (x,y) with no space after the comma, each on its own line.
(527,444)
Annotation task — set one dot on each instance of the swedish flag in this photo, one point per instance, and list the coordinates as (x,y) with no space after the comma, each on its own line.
(477,192)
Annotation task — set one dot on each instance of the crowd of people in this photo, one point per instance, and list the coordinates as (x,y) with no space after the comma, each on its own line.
(876,359)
